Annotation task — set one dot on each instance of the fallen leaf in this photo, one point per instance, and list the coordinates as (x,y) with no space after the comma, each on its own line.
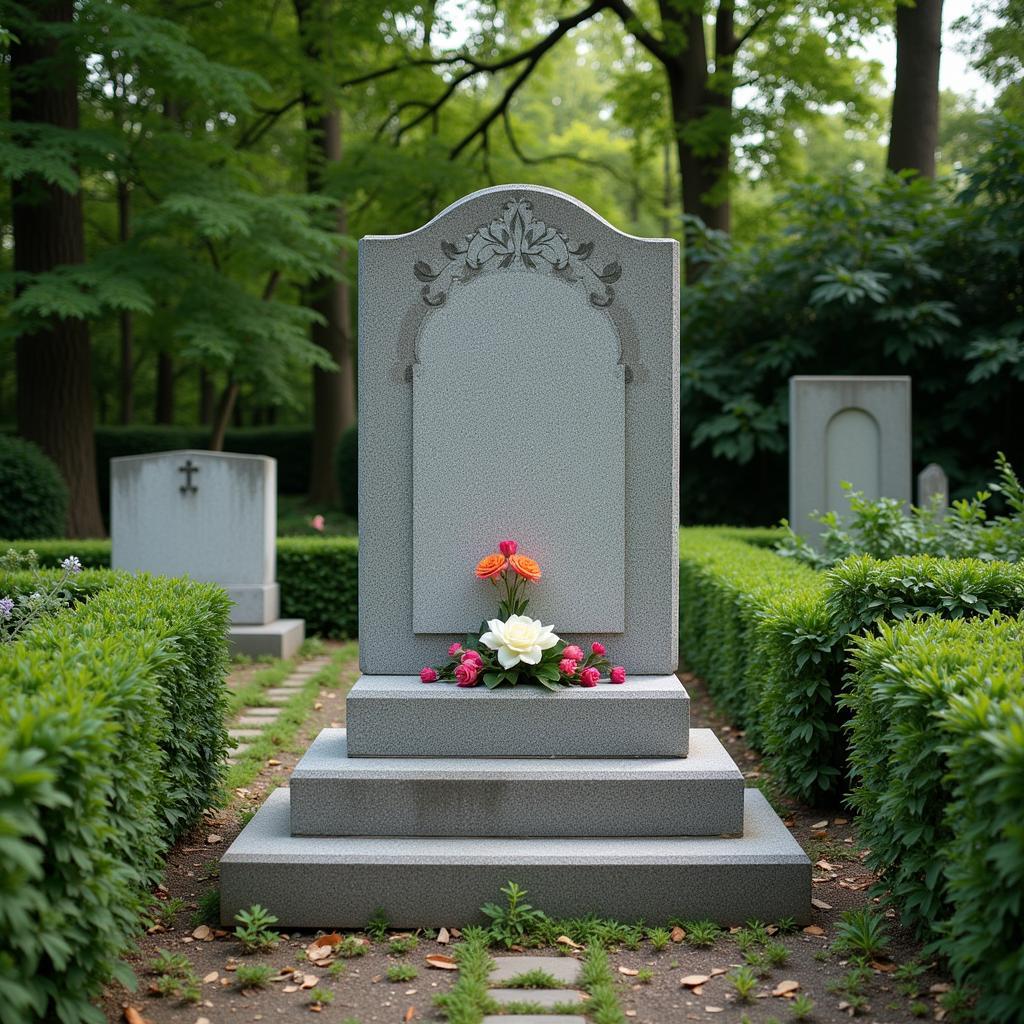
(316,953)
(213,838)
(630,972)
(630,1013)
(132,1016)
(564,940)
(202,1020)
(824,865)
(713,1009)
(820,824)
(698,991)
(328,940)
(939,987)
(677,934)
(210,978)
(772,929)
(821,904)
(456,933)
(409,1014)
(693,980)
(840,821)
(716,971)
(309,981)
(272,762)
(883,966)
(442,962)
(290,988)
(443,937)
(318,706)
(202,932)
(813,929)
(735,929)
(786,988)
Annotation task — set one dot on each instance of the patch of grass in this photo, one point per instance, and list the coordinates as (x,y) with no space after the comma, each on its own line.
(208,909)
(350,946)
(377,926)
(786,925)
(515,923)
(163,912)
(757,963)
(744,982)
(399,947)
(776,954)
(520,1006)
(699,934)
(801,1006)
(320,996)
(659,938)
(919,1009)
(862,932)
(254,931)
(337,969)
(253,975)
(467,1001)
(645,975)
(535,978)
(401,972)
(831,850)
(175,977)
(598,982)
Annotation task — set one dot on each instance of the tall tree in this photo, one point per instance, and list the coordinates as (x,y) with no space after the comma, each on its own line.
(54,359)
(333,386)
(914,135)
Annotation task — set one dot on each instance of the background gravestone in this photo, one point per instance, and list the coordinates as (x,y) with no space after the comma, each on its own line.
(931,482)
(211,516)
(518,377)
(853,429)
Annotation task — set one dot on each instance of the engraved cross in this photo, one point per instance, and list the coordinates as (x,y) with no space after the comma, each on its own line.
(188,469)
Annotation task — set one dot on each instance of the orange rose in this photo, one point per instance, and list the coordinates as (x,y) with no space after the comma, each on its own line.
(490,566)
(526,567)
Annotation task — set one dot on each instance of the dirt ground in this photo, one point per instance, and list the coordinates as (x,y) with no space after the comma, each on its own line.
(360,992)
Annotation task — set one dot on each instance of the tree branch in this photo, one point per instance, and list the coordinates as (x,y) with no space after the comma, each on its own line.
(632,23)
(267,119)
(752,28)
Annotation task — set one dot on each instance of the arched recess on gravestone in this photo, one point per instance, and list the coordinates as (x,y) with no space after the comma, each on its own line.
(518,391)
(853,453)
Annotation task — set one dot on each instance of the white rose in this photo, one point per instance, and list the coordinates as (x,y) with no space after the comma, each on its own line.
(519,639)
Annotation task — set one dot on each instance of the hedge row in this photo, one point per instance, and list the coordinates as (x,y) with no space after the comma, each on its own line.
(937,758)
(770,637)
(111,745)
(319,577)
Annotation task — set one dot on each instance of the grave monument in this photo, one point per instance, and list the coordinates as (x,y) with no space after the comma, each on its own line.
(211,516)
(518,377)
(846,429)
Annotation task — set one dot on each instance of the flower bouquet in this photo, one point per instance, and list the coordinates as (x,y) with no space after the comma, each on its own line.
(515,648)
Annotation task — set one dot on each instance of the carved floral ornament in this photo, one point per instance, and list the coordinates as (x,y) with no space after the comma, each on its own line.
(516,239)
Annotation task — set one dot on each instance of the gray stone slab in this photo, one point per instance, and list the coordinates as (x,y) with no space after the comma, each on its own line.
(539,996)
(399,716)
(534,1018)
(559,263)
(268,714)
(280,638)
(339,882)
(565,968)
(254,721)
(244,734)
(337,795)
(208,515)
(853,429)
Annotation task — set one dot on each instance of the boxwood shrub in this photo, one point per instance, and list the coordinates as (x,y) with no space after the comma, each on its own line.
(319,577)
(35,497)
(112,743)
(937,764)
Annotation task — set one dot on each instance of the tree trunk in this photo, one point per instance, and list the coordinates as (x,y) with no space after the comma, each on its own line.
(54,403)
(914,134)
(205,397)
(224,409)
(164,411)
(334,403)
(124,231)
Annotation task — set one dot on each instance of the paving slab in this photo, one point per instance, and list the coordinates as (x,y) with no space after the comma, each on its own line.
(337,795)
(261,712)
(255,720)
(534,1018)
(399,716)
(278,693)
(429,882)
(540,996)
(244,734)
(565,968)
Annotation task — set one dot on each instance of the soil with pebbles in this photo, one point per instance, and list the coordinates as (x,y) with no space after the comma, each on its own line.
(361,992)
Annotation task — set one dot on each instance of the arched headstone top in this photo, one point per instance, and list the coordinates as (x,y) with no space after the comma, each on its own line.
(518,377)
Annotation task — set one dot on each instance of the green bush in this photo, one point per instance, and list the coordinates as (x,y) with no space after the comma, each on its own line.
(111,745)
(347,468)
(35,497)
(725,586)
(937,764)
(319,577)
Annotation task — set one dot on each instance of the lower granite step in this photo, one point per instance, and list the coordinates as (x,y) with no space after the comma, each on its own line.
(420,882)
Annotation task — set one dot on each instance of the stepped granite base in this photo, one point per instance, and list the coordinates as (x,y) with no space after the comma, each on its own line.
(280,639)
(339,881)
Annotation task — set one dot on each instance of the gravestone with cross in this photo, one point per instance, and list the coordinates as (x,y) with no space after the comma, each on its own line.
(211,516)
(518,378)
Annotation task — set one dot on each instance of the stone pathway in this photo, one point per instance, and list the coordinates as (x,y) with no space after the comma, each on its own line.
(249,724)
(564,970)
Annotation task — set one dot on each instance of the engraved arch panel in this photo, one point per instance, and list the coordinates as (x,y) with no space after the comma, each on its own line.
(853,453)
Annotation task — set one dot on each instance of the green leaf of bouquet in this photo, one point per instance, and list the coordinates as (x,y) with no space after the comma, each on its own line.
(492,679)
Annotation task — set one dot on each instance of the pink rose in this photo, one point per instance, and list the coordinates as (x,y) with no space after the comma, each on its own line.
(589,676)
(508,548)
(454,649)
(567,666)
(427,675)
(472,658)
(618,674)
(317,522)
(465,674)
(573,652)
(598,649)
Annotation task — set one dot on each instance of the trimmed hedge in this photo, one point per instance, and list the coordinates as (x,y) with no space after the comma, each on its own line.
(319,577)
(937,762)
(112,743)
(34,496)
